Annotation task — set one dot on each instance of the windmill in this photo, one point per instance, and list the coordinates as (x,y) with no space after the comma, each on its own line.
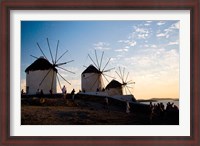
(92,76)
(126,84)
(43,75)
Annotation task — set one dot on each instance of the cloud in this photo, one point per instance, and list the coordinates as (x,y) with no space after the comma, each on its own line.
(142,36)
(152,61)
(128,43)
(168,31)
(119,56)
(121,50)
(160,23)
(146,24)
(150,46)
(161,35)
(141,30)
(120,41)
(153,46)
(173,43)
(166,35)
(175,25)
(102,46)
(112,59)
(140,33)
(133,43)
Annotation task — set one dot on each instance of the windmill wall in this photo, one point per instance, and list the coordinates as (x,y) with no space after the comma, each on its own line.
(115,91)
(91,81)
(34,78)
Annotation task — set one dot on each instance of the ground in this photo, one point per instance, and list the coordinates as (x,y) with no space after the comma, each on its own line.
(81,111)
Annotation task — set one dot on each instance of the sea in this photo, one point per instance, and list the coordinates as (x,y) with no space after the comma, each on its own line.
(176,102)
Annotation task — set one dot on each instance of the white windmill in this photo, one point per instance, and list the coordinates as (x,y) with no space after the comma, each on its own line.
(117,88)
(92,76)
(43,75)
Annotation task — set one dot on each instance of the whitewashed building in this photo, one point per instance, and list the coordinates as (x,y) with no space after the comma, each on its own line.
(91,79)
(41,74)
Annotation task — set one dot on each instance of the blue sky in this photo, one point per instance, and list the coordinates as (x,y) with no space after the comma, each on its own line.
(148,50)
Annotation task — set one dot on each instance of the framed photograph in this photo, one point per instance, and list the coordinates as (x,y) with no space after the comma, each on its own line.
(100,72)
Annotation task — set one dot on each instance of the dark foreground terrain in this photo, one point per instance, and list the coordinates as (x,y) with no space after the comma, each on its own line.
(88,110)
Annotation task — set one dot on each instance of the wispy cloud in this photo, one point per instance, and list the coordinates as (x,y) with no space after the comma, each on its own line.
(150,46)
(147,24)
(173,43)
(160,23)
(102,46)
(150,61)
(175,26)
(140,32)
(113,59)
(161,35)
(128,43)
(121,50)
(154,46)
(168,31)
(132,43)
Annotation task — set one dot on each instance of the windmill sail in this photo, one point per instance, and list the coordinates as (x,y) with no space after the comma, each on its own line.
(126,84)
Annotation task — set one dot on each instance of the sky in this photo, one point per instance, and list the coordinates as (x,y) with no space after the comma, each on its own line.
(146,50)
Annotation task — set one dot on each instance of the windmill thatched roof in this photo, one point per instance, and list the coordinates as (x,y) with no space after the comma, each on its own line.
(91,69)
(113,84)
(40,64)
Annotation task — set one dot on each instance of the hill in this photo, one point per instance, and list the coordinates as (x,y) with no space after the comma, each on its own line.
(84,110)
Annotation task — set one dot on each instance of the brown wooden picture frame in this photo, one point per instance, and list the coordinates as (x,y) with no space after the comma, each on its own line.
(192,5)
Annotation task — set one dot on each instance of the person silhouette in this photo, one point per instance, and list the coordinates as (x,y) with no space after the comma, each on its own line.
(127,107)
(72,93)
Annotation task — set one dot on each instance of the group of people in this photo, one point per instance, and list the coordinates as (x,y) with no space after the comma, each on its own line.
(160,107)
(40,93)
(64,91)
(171,107)
(158,111)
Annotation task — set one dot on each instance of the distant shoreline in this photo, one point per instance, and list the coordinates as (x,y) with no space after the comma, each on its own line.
(156,99)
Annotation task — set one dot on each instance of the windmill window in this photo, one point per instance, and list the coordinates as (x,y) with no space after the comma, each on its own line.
(83,75)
